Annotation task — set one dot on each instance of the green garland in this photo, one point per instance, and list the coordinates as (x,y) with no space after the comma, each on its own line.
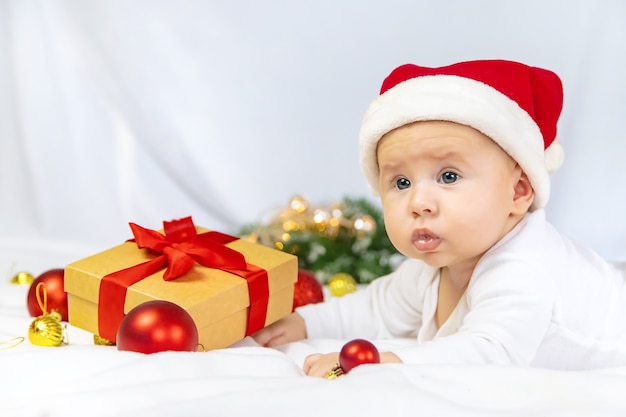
(329,247)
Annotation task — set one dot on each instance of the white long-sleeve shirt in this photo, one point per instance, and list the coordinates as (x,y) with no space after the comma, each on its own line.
(535,298)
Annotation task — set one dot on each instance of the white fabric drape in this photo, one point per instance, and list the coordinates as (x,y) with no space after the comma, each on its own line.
(147,110)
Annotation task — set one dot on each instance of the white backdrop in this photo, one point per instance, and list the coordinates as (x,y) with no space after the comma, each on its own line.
(147,110)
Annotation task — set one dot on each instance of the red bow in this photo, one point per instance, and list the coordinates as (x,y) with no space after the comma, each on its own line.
(181,248)
(178,250)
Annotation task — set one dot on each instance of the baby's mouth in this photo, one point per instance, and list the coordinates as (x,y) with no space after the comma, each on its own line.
(425,241)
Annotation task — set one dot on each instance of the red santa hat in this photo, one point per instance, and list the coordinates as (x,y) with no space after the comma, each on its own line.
(514,104)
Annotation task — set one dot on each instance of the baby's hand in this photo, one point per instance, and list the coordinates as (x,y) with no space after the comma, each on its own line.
(319,365)
(288,329)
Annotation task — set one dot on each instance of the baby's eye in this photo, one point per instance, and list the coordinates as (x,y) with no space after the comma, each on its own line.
(402,183)
(449,177)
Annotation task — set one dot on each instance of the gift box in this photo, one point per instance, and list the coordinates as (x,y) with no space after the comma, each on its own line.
(231,287)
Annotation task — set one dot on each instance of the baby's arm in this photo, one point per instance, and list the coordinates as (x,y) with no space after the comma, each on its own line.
(288,329)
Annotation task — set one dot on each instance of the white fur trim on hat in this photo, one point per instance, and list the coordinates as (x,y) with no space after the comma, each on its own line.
(554,156)
(464,101)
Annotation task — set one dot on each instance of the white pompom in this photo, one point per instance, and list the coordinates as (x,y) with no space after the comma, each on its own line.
(554,156)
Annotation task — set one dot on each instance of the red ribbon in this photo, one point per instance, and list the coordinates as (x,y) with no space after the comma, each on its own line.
(178,250)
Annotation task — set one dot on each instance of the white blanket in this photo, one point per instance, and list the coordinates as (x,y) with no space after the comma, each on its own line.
(144,111)
(82,379)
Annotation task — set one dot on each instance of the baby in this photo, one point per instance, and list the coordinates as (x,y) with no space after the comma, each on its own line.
(460,156)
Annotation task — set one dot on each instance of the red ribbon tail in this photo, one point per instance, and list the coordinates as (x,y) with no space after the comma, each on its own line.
(112,295)
(259,293)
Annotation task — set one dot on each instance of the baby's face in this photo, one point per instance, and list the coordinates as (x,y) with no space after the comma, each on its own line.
(447,192)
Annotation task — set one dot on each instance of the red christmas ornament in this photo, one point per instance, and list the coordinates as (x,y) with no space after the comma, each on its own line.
(56,297)
(307,289)
(157,326)
(357,352)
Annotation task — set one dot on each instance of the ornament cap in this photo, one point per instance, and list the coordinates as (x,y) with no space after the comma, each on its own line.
(335,372)
(22,278)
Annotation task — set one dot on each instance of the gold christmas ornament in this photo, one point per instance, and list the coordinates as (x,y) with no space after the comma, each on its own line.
(341,284)
(46,330)
(101,341)
(22,278)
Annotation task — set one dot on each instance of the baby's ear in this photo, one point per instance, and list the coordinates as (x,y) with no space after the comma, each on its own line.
(524,194)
